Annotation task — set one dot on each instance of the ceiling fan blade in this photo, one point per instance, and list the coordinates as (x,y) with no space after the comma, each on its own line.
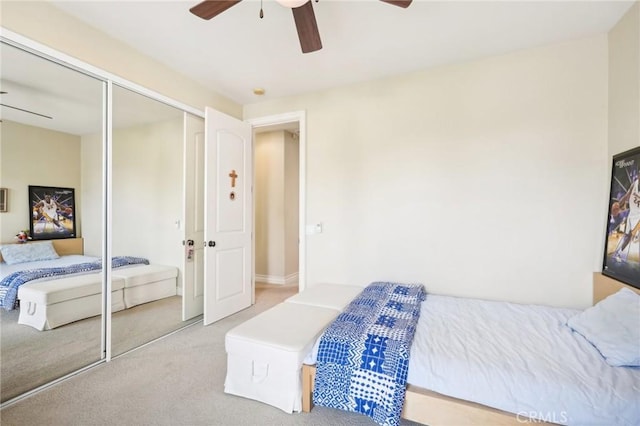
(26,110)
(210,8)
(307,28)
(399,3)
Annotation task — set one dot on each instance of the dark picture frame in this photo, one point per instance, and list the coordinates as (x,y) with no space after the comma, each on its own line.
(4,200)
(52,212)
(622,241)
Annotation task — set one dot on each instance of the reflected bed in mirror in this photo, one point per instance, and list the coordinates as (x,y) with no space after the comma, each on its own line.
(26,350)
(66,311)
(51,290)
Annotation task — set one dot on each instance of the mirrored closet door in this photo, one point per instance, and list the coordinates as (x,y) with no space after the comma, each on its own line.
(54,135)
(147,211)
(51,137)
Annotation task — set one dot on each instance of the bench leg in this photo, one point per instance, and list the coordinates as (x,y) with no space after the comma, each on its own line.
(308,379)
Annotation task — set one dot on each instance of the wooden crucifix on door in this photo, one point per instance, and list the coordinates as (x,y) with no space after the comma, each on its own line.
(233,177)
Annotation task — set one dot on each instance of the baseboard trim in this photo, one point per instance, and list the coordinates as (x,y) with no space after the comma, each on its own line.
(278,279)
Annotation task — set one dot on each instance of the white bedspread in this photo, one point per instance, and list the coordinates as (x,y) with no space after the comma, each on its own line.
(522,359)
(67,260)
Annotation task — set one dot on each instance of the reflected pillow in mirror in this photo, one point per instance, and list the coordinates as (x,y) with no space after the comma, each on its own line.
(29,252)
(613,327)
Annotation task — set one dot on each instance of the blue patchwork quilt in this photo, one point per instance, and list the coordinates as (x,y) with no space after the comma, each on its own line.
(11,283)
(363,357)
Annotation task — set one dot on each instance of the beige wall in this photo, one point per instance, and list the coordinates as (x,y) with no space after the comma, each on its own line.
(92,194)
(291,204)
(269,163)
(624,83)
(44,23)
(482,179)
(276,205)
(35,156)
(147,192)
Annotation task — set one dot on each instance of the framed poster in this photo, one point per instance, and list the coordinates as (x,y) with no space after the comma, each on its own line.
(4,198)
(622,243)
(52,211)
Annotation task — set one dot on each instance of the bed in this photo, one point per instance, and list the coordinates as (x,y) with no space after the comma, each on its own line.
(453,390)
(53,283)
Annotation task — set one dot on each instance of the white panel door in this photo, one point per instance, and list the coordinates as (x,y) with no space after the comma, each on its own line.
(193,266)
(228,216)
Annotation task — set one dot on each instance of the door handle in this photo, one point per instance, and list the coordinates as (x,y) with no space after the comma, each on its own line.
(212,243)
(190,243)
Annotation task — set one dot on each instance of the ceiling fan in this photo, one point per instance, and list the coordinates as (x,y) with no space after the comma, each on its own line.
(303,16)
(21,109)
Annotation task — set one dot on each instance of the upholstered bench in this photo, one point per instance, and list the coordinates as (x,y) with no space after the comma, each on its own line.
(145,283)
(265,353)
(49,304)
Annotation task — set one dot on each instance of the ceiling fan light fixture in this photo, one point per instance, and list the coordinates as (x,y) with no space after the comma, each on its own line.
(303,16)
(292,4)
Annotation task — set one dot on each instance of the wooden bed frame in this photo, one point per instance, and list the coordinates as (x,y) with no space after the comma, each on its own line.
(433,409)
(63,246)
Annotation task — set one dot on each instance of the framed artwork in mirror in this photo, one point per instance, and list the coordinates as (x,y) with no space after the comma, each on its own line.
(622,242)
(52,211)
(4,200)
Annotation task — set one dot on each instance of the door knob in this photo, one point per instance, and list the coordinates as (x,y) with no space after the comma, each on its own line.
(190,243)
(212,243)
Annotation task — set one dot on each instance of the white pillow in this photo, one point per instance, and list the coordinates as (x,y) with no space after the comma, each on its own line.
(613,327)
(28,252)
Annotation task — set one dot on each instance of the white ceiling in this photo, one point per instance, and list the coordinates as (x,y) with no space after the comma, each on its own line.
(237,51)
(362,39)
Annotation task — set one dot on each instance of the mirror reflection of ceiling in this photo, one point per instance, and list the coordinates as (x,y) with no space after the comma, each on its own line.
(73,100)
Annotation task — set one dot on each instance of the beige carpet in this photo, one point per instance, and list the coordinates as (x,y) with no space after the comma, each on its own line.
(175,381)
(31,358)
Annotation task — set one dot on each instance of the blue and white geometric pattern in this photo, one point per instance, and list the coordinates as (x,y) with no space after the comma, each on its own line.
(10,284)
(363,356)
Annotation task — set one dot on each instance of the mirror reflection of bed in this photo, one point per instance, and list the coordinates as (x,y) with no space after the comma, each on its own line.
(147,203)
(58,320)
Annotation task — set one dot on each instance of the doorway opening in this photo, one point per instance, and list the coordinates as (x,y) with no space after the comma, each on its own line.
(279,200)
